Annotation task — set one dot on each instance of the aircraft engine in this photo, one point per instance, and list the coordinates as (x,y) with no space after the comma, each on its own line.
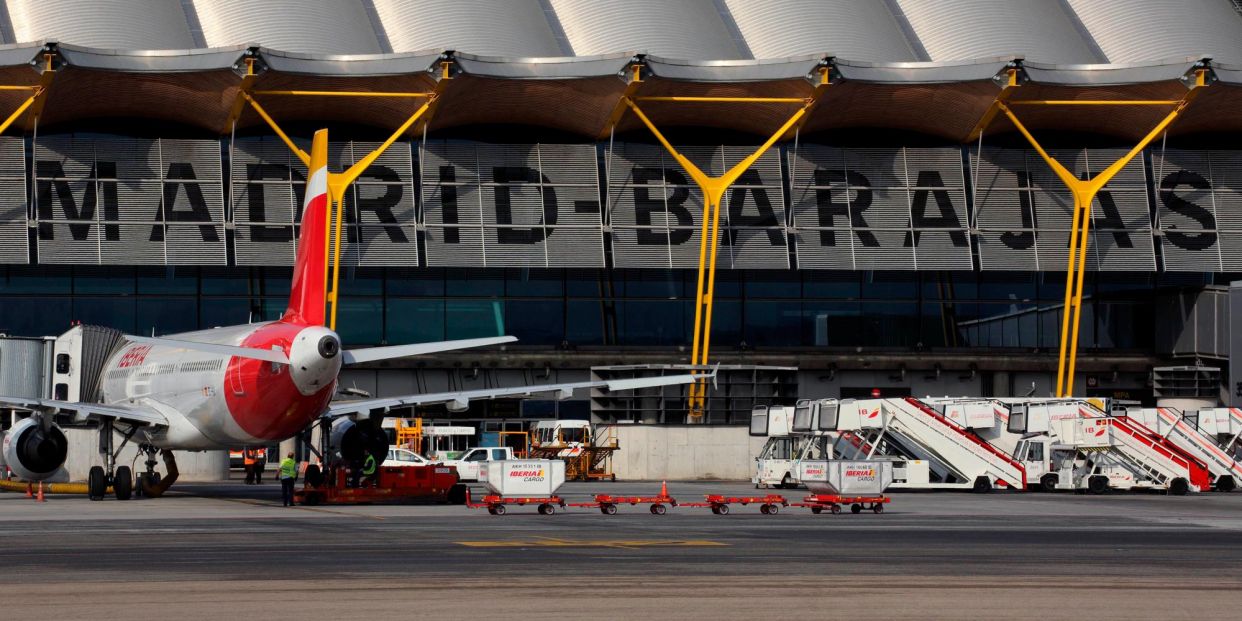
(352,439)
(35,453)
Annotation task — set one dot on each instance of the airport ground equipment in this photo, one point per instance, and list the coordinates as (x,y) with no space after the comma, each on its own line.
(522,482)
(1168,423)
(922,442)
(1224,425)
(607,503)
(847,478)
(774,466)
(719,504)
(1094,452)
(586,450)
(832,503)
(393,484)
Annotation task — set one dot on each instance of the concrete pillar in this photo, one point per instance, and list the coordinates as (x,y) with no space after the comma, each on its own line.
(1001,384)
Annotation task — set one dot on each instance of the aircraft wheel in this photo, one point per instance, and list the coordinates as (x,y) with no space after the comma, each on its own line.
(96,483)
(314,476)
(123,483)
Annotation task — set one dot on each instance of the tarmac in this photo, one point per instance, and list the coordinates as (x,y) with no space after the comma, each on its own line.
(222,550)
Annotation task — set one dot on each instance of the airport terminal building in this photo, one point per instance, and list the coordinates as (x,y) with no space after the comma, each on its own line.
(899,236)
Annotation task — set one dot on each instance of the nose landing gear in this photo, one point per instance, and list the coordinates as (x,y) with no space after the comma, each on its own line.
(151,484)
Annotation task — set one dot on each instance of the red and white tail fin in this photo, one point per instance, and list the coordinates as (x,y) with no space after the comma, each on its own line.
(308,296)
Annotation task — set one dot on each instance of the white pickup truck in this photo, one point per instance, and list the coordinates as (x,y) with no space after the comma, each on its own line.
(468,464)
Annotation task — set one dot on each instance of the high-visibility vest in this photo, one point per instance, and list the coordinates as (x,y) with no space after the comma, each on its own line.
(249,457)
(368,466)
(288,469)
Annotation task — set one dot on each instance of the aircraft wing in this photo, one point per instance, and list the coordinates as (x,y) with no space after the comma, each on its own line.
(70,414)
(461,399)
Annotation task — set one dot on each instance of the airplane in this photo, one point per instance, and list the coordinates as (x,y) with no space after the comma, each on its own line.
(240,385)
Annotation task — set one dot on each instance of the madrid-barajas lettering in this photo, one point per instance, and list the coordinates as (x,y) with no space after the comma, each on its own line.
(99,202)
(833,208)
(1110,223)
(264,230)
(1191,239)
(682,220)
(507,179)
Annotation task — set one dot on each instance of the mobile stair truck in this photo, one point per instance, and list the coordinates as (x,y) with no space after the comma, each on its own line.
(1223,425)
(927,449)
(1069,444)
(774,466)
(1168,423)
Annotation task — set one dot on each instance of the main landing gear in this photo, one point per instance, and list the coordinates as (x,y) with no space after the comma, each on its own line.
(121,478)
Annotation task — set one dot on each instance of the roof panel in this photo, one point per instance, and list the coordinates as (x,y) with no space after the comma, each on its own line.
(682,29)
(305,26)
(1158,29)
(515,28)
(846,28)
(965,29)
(107,24)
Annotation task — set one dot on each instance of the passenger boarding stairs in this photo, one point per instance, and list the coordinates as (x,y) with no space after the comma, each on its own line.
(922,429)
(1168,424)
(1139,449)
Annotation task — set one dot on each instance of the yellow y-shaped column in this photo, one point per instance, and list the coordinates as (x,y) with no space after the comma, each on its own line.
(713,192)
(1083,192)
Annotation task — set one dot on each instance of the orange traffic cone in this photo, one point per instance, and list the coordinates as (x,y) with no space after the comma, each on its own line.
(30,490)
(663,489)
(40,498)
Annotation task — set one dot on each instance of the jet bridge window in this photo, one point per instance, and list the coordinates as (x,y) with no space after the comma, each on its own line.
(62,363)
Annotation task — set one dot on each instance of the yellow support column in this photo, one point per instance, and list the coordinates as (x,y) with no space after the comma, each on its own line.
(338,183)
(1084,193)
(713,192)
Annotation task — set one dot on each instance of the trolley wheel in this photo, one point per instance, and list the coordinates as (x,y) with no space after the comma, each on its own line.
(96,483)
(763,509)
(498,510)
(491,510)
(774,509)
(817,510)
(722,510)
(855,508)
(608,509)
(877,508)
(658,509)
(123,483)
(835,509)
(715,510)
(312,499)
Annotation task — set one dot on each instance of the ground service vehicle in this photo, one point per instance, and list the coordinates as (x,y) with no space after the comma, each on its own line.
(468,465)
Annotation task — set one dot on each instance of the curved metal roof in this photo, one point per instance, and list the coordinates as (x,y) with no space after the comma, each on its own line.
(683,29)
(107,24)
(795,27)
(1130,32)
(308,26)
(696,47)
(966,29)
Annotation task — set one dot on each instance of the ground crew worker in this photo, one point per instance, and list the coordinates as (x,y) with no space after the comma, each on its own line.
(260,463)
(248,459)
(288,474)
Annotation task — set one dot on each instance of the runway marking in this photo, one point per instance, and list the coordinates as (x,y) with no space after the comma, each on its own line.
(551,542)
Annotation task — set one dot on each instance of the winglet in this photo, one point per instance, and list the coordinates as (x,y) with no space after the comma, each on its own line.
(308,296)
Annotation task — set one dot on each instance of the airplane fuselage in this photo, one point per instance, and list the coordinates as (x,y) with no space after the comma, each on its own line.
(215,401)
